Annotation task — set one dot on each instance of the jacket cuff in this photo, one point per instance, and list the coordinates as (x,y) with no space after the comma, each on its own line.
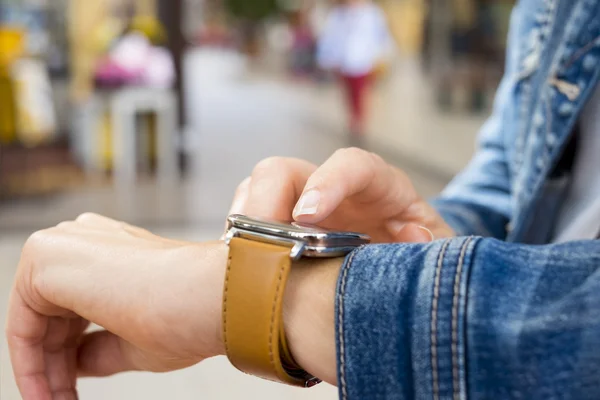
(400,316)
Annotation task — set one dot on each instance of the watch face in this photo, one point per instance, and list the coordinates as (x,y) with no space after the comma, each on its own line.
(318,242)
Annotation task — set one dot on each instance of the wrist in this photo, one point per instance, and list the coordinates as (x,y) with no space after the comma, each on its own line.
(206,264)
(309,315)
(307,307)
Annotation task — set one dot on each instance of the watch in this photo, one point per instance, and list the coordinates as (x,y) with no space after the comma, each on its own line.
(261,254)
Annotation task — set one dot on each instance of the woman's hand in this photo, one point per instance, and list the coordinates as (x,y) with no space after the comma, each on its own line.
(354,190)
(158,299)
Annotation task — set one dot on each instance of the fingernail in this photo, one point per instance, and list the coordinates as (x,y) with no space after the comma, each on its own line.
(308,203)
(428,232)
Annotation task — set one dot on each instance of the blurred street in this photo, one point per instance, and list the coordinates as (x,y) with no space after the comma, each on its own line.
(239,116)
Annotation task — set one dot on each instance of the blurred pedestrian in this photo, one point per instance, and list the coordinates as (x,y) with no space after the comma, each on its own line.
(303,45)
(354,44)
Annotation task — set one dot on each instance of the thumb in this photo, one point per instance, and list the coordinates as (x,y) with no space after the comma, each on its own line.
(102,353)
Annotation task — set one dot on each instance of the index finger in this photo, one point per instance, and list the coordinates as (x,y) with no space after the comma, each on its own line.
(25,333)
(348,173)
(275,187)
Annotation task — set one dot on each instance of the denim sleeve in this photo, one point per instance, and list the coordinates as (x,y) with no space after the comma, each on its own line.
(469,318)
(478,200)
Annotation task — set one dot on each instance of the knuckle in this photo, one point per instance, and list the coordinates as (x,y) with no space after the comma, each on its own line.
(30,278)
(376,158)
(35,246)
(271,165)
(352,154)
(66,225)
(37,239)
(358,156)
(87,216)
(243,186)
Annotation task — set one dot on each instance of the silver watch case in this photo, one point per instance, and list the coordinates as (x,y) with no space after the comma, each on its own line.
(304,240)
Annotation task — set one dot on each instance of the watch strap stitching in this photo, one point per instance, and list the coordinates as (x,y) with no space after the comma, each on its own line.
(225,304)
(273,310)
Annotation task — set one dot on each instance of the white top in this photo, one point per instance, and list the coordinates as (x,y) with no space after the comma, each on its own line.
(355,39)
(579,218)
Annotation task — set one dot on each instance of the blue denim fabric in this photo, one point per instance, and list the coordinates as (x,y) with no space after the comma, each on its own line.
(470,318)
(496,315)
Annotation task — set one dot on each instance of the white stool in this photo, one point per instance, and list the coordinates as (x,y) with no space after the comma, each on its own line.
(124,105)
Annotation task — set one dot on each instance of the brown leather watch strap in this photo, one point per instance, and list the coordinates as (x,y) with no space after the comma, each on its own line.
(252,311)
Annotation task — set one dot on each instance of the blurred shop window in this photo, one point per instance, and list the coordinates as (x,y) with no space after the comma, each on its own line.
(27,44)
(34,157)
(464,50)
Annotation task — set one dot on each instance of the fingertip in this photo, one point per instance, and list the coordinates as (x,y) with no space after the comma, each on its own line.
(241,197)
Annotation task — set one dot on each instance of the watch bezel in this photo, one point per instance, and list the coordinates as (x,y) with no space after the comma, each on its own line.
(304,240)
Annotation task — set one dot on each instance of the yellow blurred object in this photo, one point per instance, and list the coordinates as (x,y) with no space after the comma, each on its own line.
(85,18)
(11,44)
(8,128)
(106,34)
(11,49)
(406,19)
(105,154)
(151,28)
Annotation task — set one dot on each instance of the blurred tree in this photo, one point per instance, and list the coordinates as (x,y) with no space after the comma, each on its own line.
(255,10)
(249,15)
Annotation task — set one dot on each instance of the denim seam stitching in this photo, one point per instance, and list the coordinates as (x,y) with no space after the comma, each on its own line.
(434,311)
(457,281)
(578,54)
(341,329)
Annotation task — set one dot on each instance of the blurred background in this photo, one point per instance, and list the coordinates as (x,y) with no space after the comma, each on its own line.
(152,111)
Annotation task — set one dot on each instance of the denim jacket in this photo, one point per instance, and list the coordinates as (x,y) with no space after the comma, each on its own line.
(497,313)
